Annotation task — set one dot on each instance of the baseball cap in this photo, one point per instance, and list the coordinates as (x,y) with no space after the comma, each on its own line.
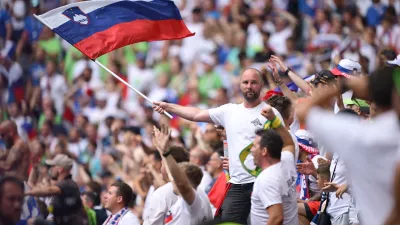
(346,68)
(394,62)
(324,76)
(61,160)
(306,141)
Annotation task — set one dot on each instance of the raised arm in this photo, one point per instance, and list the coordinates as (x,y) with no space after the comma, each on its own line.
(278,81)
(302,84)
(179,177)
(44,191)
(189,113)
(288,144)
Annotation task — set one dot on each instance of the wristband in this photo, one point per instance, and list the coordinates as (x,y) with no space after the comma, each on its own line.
(276,123)
(166,153)
(287,71)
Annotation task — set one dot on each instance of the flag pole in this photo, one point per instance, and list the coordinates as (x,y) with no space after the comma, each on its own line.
(126,83)
(111,72)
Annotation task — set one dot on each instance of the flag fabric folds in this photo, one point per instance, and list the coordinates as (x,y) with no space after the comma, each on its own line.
(99,27)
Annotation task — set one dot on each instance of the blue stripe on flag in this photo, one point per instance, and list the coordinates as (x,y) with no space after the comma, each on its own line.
(120,12)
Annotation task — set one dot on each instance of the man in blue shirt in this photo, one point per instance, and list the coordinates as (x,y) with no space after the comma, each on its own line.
(375,13)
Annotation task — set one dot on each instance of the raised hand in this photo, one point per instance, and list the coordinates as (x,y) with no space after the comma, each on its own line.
(225,163)
(161,138)
(306,168)
(277,60)
(268,113)
(275,74)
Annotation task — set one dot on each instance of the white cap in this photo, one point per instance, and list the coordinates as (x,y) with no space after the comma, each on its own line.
(346,67)
(394,62)
(304,134)
(19,8)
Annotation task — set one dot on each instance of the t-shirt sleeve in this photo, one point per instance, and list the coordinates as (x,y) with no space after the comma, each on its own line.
(270,193)
(217,115)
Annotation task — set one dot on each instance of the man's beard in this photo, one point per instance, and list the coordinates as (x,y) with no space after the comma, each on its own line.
(252,98)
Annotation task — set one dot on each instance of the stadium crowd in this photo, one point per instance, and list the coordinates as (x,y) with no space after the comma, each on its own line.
(285,112)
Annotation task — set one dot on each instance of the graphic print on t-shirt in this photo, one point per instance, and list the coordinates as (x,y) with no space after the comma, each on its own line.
(168,217)
(256,123)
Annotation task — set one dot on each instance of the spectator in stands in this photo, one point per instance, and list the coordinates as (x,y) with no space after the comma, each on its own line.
(117,200)
(11,200)
(67,205)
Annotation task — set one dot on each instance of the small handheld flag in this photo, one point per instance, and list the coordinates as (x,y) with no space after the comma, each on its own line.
(98,27)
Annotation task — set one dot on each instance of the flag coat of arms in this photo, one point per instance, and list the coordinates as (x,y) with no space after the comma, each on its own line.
(98,27)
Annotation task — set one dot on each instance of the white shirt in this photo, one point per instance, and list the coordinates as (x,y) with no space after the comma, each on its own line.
(206,180)
(240,124)
(197,213)
(127,219)
(369,154)
(160,202)
(58,88)
(276,185)
(338,206)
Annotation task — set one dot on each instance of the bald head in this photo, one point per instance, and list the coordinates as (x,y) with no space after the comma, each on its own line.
(252,72)
(251,83)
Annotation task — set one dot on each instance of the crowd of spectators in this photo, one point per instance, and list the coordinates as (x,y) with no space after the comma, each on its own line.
(65,107)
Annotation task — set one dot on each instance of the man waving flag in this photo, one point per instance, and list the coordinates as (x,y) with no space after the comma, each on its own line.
(99,27)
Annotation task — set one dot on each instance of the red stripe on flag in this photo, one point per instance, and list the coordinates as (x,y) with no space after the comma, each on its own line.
(128,33)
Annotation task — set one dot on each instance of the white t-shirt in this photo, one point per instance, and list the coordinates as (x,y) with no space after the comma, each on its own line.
(276,185)
(128,219)
(161,201)
(206,180)
(338,206)
(197,213)
(369,154)
(240,124)
(58,89)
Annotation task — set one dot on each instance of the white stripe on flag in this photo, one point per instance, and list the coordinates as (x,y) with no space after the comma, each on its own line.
(54,18)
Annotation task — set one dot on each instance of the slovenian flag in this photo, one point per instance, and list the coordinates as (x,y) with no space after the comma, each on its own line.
(98,27)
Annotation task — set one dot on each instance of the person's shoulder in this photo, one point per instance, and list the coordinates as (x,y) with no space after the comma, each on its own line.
(164,190)
(267,173)
(130,219)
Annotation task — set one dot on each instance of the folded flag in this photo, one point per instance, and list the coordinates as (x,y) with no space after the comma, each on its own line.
(99,27)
